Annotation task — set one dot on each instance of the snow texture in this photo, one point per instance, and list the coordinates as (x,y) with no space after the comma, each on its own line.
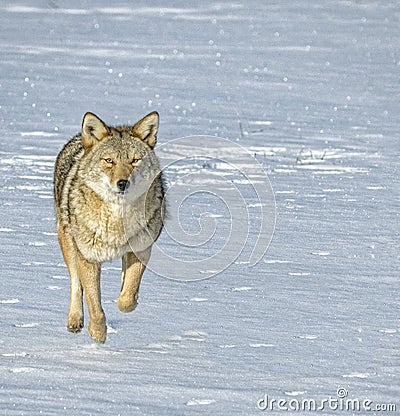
(311,89)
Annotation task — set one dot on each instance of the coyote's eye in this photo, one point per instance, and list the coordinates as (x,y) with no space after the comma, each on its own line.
(108,160)
(135,161)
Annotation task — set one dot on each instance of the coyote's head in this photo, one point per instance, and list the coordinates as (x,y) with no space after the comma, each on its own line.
(119,160)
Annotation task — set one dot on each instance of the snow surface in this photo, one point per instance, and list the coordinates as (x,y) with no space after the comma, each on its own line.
(311,89)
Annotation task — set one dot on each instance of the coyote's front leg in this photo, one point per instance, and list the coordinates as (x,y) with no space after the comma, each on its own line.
(89,275)
(69,250)
(132,271)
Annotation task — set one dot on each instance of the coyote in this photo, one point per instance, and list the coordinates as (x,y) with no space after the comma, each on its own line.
(109,202)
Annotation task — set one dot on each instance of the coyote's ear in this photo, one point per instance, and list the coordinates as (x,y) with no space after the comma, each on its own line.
(93,130)
(146,129)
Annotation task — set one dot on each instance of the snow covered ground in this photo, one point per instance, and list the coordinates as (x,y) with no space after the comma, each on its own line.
(311,89)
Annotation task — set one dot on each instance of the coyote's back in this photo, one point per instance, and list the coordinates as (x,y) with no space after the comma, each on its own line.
(66,160)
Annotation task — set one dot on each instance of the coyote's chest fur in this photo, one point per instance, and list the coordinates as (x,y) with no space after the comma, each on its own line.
(101,234)
(110,230)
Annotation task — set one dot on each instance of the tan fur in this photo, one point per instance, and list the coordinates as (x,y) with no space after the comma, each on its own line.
(100,216)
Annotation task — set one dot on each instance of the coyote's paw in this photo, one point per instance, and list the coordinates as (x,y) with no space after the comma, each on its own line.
(75,324)
(98,332)
(127,304)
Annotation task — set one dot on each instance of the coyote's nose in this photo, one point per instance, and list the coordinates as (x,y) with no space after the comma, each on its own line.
(123,185)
